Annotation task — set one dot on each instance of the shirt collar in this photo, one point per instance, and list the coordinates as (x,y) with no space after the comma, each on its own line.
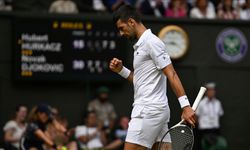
(142,38)
(209,101)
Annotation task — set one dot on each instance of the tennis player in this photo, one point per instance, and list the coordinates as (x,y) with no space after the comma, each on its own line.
(152,68)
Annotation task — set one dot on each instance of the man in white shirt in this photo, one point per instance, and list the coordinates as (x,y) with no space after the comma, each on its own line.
(152,67)
(209,112)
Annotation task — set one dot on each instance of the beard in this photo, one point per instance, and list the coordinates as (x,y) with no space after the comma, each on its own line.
(132,37)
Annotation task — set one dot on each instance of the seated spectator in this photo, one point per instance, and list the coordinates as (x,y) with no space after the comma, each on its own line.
(120,135)
(89,136)
(105,111)
(98,5)
(14,129)
(203,10)
(35,136)
(112,5)
(177,9)
(63,6)
(226,10)
(58,137)
(245,11)
(215,3)
(5,5)
(151,7)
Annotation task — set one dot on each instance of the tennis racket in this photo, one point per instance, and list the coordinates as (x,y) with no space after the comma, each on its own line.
(182,137)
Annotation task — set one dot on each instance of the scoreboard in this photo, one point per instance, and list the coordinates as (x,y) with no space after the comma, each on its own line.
(64,49)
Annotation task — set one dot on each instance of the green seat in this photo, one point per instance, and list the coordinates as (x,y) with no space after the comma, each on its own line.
(214,142)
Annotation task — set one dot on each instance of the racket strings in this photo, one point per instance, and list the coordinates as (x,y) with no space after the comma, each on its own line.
(182,138)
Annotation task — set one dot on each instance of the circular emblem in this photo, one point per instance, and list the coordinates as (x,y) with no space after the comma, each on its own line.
(175,40)
(231,45)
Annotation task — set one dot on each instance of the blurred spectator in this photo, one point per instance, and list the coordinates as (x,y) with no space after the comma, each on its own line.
(5,5)
(2,5)
(177,9)
(58,137)
(105,111)
(245,11)
(40,6)
(98,5)
(216,3)
(63,6)
(238,3)
(112,5)
(203,9)
(226,10)
(35,136)
(89,136)
(14,129)
(209,112)
(120,135)
(151,7)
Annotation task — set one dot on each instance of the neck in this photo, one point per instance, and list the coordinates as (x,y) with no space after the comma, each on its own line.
(19,121)
(140,30)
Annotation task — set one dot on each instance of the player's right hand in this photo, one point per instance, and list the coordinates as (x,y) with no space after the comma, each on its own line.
(115,65)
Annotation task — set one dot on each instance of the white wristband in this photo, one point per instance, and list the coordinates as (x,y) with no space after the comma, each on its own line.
(125,72)
(183,100)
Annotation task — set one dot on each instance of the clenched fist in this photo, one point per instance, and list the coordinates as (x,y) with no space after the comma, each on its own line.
(115,65)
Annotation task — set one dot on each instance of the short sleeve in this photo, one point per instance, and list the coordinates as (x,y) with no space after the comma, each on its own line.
(9,125)
(80,131)
(33,127)
(158,53)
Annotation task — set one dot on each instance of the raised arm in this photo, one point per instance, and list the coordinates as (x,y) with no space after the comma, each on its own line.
(117,67)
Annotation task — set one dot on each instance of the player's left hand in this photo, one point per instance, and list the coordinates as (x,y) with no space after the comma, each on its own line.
(189,116)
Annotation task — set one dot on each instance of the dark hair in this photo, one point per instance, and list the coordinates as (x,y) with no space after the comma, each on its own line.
(125,12)
(18,107)
(86,115)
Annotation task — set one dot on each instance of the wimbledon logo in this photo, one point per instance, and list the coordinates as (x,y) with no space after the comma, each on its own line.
(231,45)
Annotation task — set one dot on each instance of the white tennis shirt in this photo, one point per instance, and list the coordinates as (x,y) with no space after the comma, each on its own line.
(150,83)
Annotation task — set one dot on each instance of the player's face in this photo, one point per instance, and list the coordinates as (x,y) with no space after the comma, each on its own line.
(126,29)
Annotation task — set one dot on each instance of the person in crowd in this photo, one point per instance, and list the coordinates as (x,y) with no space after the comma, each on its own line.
(89,135)
(119,135)
(177,9)
(209,113)
(63,6)
(215,3)
(151,7)
(5,5)
(112,5)
(105,111)
(227,11)
(35,136)
(203,10)
(14,129)
(245,11)
(58,137)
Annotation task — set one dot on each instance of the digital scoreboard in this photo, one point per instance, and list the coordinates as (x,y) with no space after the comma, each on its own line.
(49,49)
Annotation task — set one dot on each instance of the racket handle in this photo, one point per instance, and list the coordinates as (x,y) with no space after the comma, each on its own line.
(198,98)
